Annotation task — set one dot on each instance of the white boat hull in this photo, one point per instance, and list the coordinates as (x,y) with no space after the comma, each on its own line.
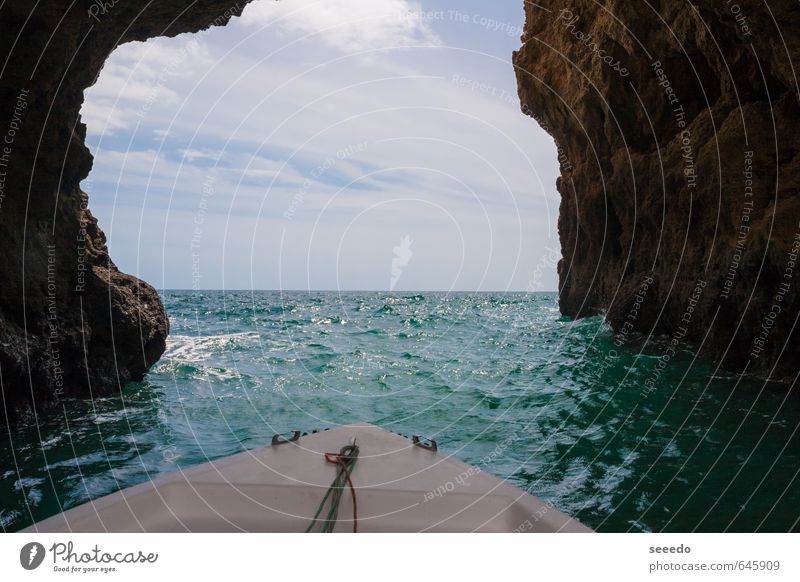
(400,487)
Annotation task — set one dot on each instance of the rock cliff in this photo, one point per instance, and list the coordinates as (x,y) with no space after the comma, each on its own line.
(71,324)
(677,131)
(677,128)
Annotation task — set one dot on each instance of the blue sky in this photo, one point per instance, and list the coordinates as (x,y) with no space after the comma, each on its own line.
(343,144)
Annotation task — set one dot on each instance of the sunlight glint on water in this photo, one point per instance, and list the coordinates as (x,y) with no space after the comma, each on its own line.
(500,381)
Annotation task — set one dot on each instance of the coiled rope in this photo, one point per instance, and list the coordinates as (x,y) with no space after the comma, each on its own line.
(346,460)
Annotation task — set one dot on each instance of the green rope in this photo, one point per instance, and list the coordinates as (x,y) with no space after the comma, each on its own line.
(348,455)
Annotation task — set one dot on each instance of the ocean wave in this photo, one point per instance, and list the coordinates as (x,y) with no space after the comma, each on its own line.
(472,370)
(188,348)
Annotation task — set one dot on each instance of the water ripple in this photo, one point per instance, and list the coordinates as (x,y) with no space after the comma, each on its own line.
(500,380)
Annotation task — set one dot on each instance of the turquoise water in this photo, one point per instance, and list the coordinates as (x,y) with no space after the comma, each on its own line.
(705,451)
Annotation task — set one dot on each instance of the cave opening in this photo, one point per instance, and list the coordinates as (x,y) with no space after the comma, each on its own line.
(394,157)
(278,153)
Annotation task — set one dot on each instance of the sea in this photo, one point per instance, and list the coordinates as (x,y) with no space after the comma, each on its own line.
(615,434)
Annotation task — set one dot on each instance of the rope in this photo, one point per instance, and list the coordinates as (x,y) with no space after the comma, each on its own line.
(346,460)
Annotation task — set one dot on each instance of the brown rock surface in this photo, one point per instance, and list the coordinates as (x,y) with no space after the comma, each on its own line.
(70,322)
(629,211)
(659,109)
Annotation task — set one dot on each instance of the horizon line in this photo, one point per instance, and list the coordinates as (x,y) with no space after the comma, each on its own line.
(358,290)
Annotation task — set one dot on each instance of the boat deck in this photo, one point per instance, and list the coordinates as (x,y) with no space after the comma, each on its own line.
(400,487)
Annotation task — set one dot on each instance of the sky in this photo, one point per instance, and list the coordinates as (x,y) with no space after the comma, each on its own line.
(337,145)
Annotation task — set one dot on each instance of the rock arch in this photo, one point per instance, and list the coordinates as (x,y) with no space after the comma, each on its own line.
(647,193)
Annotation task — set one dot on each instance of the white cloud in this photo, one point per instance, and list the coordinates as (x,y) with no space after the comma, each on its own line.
(441,160)
(139,75)
(101,116)
(347,25)
(190,155)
